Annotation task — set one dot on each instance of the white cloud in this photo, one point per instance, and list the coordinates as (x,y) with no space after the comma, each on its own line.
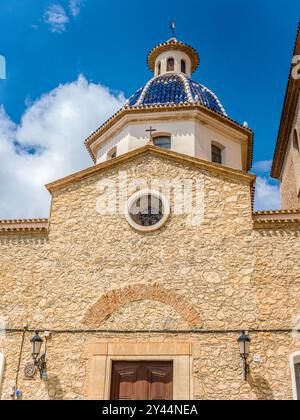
(56,17)
(56,125)
(74,6)
(263,166)
(267,195)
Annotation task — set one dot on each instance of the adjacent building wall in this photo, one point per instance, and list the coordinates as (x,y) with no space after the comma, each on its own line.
(290,181)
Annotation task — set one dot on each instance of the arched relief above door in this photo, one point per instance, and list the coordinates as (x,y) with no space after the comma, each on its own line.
(145,315)
(115,299)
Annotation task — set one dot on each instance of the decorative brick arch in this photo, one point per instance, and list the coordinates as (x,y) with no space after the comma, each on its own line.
(115,299)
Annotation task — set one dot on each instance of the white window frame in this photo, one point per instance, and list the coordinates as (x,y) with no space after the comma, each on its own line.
(294,360)
(2,362)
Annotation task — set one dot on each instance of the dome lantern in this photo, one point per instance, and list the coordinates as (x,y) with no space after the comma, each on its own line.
(173,56)
(173,63)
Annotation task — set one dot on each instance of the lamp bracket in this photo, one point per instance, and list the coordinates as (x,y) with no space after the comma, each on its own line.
(30,370)
(39,364)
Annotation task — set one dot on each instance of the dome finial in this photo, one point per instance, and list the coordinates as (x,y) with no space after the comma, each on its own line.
(173,27)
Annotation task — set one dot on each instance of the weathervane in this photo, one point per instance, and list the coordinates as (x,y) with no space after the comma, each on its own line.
(151,130)
(173,27)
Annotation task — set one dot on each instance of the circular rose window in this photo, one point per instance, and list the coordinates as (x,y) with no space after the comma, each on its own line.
(147,210)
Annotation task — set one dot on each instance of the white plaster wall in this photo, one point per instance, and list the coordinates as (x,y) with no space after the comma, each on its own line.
(188,137)
(120,140)
(178,56)
(182,135)
(205,137)
(135,136)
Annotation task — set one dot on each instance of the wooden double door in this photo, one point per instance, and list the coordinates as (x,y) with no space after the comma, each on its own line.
(142,381)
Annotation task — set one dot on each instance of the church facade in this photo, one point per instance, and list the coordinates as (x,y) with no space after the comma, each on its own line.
(153,264)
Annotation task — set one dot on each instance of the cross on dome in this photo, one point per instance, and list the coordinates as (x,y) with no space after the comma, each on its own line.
(173,27)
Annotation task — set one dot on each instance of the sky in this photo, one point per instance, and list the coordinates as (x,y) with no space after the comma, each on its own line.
(72,63)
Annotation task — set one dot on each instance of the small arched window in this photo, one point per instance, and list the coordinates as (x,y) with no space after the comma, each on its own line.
(112,154)
(159,68)
(216,154)
(296,142)
(183,66)
(170,64)
(163,141)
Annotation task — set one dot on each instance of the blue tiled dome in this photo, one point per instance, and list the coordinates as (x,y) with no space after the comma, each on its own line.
(175,89)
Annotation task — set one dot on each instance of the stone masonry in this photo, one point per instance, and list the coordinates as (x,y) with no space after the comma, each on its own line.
(95,272)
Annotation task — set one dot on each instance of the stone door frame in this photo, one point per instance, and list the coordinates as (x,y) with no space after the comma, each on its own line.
(102,355)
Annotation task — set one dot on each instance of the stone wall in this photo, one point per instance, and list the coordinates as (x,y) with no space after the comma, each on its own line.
(221,275)
(289,188)
(216,368)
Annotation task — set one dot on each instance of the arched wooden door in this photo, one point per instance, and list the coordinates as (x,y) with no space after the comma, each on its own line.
(142,381)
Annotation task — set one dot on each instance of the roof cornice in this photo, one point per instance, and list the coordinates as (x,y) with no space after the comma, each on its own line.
(169,108)
(276,213)
(288,115)
(27,226)
(152,150)
(277,219)
(276,224)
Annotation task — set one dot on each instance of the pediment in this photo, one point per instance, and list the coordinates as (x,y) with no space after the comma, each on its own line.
(152,151)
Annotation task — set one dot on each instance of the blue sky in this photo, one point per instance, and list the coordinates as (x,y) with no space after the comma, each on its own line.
(245,49)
